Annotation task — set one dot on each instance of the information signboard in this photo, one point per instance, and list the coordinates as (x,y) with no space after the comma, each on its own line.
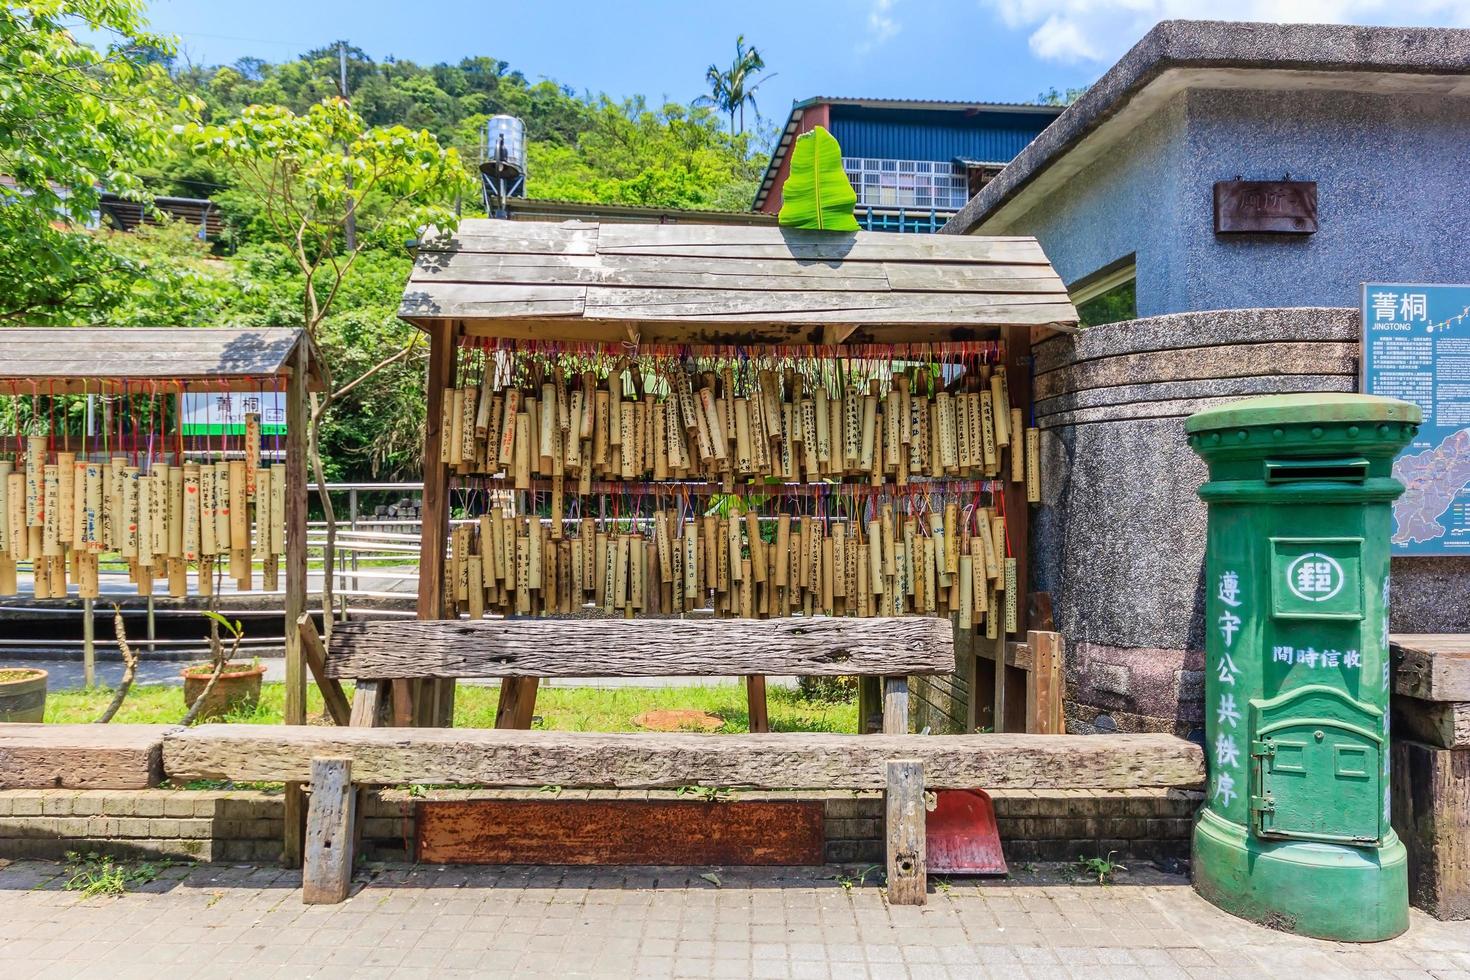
(223,413)
(1416,346)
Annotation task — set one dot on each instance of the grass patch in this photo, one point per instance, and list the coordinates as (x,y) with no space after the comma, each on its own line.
(95,874)
(574,709)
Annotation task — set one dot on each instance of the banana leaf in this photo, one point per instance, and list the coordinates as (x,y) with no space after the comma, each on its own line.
(817,193)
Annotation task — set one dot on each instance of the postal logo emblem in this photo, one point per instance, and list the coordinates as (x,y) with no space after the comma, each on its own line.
(1314,577)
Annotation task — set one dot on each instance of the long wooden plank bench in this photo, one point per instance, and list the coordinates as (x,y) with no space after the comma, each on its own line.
(333,760)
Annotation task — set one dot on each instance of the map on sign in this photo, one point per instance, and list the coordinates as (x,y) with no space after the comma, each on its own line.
(1416,346)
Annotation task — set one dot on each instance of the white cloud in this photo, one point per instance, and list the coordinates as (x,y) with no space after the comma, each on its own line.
(1099,31)
(881,25)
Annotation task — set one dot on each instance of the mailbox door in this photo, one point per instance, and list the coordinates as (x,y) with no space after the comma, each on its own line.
(1317,766)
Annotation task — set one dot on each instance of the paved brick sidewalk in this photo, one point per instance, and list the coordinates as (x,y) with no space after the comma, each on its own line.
(224,921)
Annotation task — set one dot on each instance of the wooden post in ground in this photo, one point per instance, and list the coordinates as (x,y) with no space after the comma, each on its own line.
(435,514)
(895,705)
(326,875)
(755,700)
(1046,681)
(907,873)
(1018,513)
(296,438)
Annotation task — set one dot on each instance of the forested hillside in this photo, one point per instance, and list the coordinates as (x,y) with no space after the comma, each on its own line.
(320,194)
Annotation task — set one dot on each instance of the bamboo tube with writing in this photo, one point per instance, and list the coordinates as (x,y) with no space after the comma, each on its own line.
(50,511)
(263,488)
(743,449)
(852,427)
(207,505)
(1033,466)
(691,563)
(522,445)
(713,424)
(174,514)
(756,545)
(35,480)
(1001,408)
(951,538)
(510,413)
(547,419)
(222,523)
(239,523)
(192,512)
(987,431)
(875,550)
(637,599)
(615,406)
(278,509)
(870,428)
(91,506)
(143,536)
(69,514)
(905,565)
(788,436)
(252,452)
(962,432)
(40,568)
(1018,447)
(967,593)
(780,570)
(16,504)
(620,550)
(6,518)
(467,412)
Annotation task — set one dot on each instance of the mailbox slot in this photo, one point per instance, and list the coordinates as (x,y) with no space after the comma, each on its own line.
(1353,470)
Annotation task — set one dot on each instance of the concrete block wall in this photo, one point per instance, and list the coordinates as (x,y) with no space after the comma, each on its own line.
(246,825)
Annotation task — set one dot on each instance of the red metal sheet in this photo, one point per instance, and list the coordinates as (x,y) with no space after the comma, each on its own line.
(962,835)
(665,832)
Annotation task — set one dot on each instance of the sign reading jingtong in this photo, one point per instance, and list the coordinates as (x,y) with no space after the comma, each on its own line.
(1416,346)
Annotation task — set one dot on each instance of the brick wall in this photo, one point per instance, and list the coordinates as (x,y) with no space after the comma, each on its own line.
(246,825)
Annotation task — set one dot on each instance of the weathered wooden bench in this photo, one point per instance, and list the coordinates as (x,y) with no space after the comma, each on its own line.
(378,654)
(334,760)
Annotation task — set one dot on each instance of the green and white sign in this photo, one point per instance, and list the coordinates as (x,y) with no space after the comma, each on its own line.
(223,413)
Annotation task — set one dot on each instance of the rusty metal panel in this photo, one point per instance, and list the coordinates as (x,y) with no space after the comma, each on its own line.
(1266,207)
(668,832)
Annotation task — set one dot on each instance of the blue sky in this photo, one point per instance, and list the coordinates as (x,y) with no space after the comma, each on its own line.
(983,50)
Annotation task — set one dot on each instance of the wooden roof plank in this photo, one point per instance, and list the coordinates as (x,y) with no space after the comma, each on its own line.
(190,354)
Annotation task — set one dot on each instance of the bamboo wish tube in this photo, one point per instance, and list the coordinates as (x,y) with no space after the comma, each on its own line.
(50,511)
(1033,466)
(68,528)
(1018,448)
(252,452)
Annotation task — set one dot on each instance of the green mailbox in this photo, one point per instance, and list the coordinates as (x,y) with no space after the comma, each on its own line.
(1294,832)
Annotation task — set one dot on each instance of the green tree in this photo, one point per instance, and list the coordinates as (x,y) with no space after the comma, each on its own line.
(74,121)
(731,89)
(309,175)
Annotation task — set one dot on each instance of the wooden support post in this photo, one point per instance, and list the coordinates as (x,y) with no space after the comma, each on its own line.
(89,645)
(367,703)
(517,702)
(895,705)
(296,437)
(1046,681)
(907,874)
(755,700)
(870,704)
(326,876)
(435,514)
(316,658)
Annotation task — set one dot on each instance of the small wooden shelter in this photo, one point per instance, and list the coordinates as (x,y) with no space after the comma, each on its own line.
(692,285)
(50,361)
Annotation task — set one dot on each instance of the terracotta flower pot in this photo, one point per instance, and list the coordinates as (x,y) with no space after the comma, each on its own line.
(238,689)
(23,694)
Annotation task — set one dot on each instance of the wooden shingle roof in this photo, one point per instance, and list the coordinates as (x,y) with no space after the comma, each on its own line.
(69,360)
(721,284)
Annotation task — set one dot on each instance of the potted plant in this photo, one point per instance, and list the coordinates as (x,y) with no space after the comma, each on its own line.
(22,694)
(220,687)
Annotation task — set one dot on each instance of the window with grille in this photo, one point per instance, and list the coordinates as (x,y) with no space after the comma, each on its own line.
(907,183)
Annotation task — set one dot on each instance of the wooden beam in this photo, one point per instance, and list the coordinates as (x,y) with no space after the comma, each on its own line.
(113,756)
(801,760)
(908,879)
(1045,680)
(326,875)
(1432,666)
(641,647)
(316,658)
(435,513)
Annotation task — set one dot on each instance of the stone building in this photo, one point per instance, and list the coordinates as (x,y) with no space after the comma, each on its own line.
(1120,193)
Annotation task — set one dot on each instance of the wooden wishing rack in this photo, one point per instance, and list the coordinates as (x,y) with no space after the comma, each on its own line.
(734,422)
(127,486)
